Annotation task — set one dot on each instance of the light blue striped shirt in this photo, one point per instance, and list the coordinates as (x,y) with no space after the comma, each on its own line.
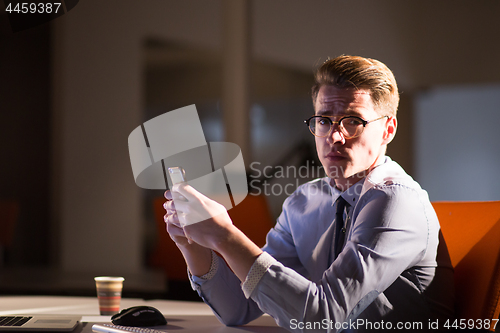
(394,268)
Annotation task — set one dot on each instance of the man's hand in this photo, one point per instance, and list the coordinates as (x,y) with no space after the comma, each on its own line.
(205,221)
(197,257)
(208,224)
(171,219)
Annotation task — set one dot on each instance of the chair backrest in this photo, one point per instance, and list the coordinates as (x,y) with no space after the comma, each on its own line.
(166,255)
(252,216)
(472,233)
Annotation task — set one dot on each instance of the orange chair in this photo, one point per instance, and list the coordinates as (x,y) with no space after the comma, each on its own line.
(472,233)
(166,255)
(251,216)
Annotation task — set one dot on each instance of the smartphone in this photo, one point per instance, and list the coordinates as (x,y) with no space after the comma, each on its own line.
(177,175)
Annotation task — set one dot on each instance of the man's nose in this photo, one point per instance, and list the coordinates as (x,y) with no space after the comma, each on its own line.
(336,135)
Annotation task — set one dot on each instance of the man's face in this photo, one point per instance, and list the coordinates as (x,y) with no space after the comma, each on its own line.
(348,160)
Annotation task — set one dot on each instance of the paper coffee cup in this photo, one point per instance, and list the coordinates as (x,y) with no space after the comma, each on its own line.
(109,294)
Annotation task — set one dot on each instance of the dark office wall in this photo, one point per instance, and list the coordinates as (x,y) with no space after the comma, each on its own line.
(24,138)
(424,42)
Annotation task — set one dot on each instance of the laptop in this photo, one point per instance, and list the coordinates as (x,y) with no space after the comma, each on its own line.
(38,323)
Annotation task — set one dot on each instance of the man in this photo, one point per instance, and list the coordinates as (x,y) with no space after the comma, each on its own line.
(358,250)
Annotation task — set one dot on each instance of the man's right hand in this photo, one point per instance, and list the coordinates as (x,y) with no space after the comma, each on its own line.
(197,257)
(171,219)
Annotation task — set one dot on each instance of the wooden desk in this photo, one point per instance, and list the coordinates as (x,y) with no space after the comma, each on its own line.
(181,315)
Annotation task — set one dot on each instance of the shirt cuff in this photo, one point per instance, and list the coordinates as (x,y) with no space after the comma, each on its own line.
(257,271)
(214,265)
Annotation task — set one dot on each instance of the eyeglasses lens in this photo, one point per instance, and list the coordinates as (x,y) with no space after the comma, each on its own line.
(350,126)
(320,126)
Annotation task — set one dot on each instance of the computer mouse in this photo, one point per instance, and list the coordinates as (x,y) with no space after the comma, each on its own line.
(139,316)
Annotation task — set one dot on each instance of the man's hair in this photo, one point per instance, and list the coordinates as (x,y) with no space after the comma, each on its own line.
(360,73)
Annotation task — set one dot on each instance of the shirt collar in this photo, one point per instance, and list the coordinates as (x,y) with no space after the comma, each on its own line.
(352,194)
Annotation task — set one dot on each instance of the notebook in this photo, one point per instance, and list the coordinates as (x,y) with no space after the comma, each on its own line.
(38,323)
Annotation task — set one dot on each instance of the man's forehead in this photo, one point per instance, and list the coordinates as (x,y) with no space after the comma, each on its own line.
(327,89)
(348,101)
(343,96)
(339,113)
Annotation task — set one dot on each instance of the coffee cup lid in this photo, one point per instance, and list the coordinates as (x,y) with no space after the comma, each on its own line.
(109,278)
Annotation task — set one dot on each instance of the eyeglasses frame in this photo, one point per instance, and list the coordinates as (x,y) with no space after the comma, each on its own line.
(364,122)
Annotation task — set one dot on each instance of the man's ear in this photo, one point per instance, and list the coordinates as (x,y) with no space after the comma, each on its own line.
(391,126)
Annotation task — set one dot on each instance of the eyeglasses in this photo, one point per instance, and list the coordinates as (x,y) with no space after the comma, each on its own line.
(350,126)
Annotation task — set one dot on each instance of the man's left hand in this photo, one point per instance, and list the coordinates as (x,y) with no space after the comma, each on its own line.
(204,220)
